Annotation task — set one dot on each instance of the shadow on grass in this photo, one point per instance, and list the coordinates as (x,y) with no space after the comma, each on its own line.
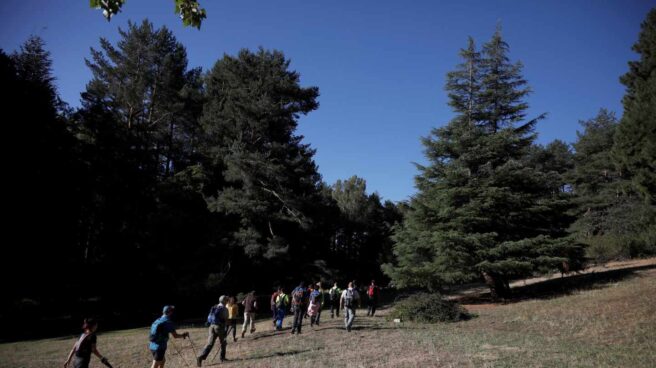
(268,355)
(559,286)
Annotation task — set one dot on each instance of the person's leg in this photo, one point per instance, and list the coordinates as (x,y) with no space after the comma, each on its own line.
(234,330)
(223,341)
(252,316)
(318,315)
(212,334)
(373,308)
(243,328)
(350,316)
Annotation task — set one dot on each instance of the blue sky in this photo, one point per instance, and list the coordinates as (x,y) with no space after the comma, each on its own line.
(380,65)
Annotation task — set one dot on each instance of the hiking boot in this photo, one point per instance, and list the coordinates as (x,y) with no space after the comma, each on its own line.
(242,334)
(199,362)
(253,330)
(234,339)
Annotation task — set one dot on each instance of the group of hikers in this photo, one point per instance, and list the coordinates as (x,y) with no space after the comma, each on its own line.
(303,302)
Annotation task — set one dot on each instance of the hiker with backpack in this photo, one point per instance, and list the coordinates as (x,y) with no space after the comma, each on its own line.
(233,314)
(321,297)
(299,301)
(373,293)
(281,305)
(159,336)
(314,308)
(217,319)
(86,345)
(274,313)
(334,294)
(348,303)
(250,309)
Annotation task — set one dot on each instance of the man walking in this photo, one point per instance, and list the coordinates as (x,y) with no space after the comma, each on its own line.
(274,297)
(348,302)
(334,294)
(250,309)
(217,319)
(159,336)
(373,293)
(299,302)
(282,303)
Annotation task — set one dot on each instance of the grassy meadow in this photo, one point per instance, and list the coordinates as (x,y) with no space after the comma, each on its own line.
(604,324)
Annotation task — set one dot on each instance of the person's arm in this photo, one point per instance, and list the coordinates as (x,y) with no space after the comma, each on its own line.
(70,356)
(95,351)
(176,335)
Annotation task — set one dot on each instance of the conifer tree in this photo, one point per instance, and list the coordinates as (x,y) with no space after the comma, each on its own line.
(635,141)
(481,209)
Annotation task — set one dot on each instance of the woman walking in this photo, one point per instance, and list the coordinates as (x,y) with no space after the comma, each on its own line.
(84,346)
(233,314)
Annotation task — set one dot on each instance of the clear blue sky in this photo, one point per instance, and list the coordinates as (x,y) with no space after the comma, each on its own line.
(380,65)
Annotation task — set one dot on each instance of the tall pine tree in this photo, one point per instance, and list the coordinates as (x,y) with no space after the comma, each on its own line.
(482,209)
(635,141)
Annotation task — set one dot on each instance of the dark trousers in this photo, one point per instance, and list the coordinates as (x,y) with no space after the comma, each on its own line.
(334,308)
(214,333)
(318,315)
(371,303)
(299,313)
(232,327)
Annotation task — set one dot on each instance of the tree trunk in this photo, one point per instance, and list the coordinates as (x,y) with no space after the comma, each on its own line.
(499,287)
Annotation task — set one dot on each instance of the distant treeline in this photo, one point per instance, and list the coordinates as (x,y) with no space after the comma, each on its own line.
(173,185)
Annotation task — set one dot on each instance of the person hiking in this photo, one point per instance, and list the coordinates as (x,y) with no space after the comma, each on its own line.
(274,296)
(217,318)
(233,314)
(321,297)
(299,300)
(314,307)
(86,345)
(159,336)
(334,294)
(348,302)
(373,293)
(282,303)
(250,309)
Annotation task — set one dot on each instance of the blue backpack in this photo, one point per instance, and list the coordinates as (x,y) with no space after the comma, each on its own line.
(216,317)
(155,332)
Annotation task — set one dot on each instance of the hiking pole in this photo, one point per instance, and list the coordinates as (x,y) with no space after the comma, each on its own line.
(180,354)
(106,362)
(193,348)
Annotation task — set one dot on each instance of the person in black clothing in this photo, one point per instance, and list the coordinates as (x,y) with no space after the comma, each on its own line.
(84,346)
(299,305)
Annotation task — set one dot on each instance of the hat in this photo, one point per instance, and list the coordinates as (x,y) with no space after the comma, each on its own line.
(168,308)
(222,299)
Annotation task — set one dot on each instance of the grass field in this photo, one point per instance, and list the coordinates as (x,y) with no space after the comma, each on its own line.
(605,324)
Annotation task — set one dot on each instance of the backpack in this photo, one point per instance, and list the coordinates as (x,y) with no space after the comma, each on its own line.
(216,317)
(348,298)
(155,331)
(334,294)
(372,291)
(280,301)
(314,297)
(297,296)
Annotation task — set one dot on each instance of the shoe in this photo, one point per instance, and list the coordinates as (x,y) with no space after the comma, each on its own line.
(199,362)
(242,334)
(293,332)
(253,330)
(234,339)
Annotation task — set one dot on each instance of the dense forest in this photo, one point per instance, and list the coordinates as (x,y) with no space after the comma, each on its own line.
(172,184)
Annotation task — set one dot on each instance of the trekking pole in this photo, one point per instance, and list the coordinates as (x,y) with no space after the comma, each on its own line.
(193,348)
(180,354)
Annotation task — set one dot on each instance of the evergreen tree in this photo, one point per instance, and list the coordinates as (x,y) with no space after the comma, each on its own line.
(263,177)
(635,141)
(611,218)
(482,209)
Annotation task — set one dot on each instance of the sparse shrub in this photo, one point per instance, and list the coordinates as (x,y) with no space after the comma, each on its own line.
(428,308)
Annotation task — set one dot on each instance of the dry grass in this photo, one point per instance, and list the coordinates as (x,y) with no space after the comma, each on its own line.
(613,325)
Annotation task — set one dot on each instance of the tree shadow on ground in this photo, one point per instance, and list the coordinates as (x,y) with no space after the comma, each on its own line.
(268,355)
(557,287)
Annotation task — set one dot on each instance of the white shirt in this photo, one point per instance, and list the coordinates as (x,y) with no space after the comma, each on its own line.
(356,296)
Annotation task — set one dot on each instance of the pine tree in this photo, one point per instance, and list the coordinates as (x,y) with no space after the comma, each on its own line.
(266,181)
(635,141)
(611,217)
(481,209)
